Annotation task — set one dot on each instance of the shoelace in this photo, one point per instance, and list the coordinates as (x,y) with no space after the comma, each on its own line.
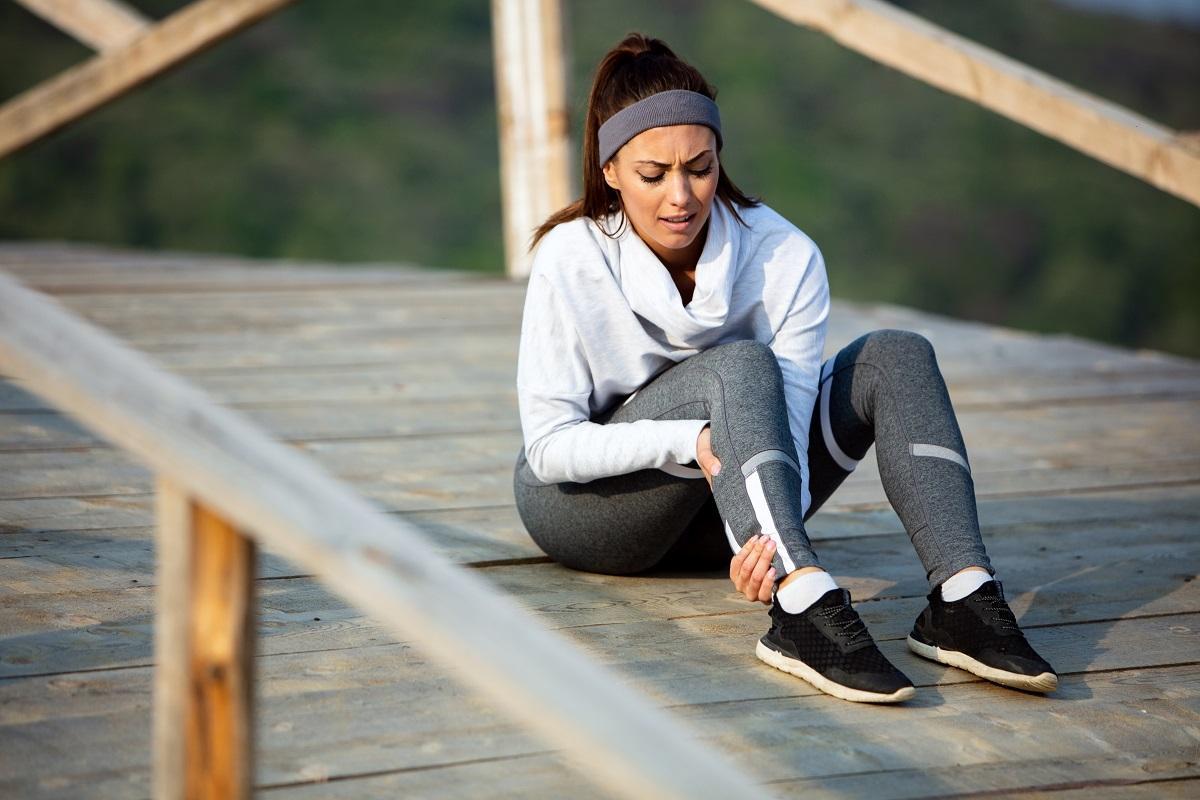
(1000,616)
(848,623)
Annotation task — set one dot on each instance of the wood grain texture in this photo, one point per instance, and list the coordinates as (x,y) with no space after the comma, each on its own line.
(1089,501)
(378,563)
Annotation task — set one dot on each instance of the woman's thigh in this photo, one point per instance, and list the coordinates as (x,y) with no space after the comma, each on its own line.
(624,523)
(617,525)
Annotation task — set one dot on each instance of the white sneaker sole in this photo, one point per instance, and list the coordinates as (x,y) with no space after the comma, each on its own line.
(802,670)
(1045,682)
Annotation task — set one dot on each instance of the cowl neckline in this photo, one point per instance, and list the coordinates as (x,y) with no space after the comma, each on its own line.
(653,295)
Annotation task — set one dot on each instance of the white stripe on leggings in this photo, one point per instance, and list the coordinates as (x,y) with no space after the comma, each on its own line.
(937,451)
(765,520)
(733,544)
(844,461)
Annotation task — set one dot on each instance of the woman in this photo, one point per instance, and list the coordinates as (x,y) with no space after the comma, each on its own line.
(670,321)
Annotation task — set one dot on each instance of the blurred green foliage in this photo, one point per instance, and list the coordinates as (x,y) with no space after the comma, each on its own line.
(366,131)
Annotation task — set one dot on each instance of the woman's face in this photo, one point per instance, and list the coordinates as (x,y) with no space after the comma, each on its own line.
(663,174)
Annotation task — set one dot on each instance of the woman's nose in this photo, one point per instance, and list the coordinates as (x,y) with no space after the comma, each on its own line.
(680,191)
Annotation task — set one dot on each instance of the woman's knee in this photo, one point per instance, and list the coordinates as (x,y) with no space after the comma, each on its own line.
(902,349)
(742,359)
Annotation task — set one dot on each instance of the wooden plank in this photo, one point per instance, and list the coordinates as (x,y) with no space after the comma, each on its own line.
(308,736)
(378,563)
(538,776)
(1054,576)
(351,323)
(1104,788)
(1156,769)
(145,275)
(531,110)
(269,306)
(47,430)
(1101,129)
(37,563)
(100,24)
(478,377)
(477,480)
(73,270)
(204,687)
(468,478)
(35,517)
(367,391)
(475,469)
(299,422)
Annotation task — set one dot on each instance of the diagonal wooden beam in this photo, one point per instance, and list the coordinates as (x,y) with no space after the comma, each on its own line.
(1104,130)
(84,88)
(100,24)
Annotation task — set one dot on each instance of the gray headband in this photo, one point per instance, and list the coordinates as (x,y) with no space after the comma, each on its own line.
(672,107)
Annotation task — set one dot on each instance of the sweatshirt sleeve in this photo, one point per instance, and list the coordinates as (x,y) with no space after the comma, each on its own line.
(798,346)
(553,387)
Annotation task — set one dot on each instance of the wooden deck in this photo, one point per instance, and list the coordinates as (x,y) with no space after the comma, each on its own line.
(401,382)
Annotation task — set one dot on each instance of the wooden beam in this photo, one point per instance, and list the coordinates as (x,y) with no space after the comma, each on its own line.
(100,24)
(204,653)
(84,88)
(381,564)
(531,103)
(1103,130)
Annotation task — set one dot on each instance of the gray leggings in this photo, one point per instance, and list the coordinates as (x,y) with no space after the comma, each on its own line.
(883,388)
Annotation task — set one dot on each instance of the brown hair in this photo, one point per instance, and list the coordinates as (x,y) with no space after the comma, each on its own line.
(636,68)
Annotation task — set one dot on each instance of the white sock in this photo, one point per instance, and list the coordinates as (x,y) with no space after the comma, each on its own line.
(956,587)
(802,592)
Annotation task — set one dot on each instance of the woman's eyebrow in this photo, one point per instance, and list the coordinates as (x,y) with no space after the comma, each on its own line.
(691,160)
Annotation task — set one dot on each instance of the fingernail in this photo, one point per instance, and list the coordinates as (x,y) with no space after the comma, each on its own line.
(770,545)
(716,470)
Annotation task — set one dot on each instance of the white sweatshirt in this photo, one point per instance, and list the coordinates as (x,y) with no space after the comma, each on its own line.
(602,317)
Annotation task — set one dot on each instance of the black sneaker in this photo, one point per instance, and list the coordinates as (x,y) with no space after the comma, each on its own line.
(979,634)
(828,645)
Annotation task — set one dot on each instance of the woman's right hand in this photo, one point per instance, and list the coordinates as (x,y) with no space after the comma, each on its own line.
(751,570)
(709,464)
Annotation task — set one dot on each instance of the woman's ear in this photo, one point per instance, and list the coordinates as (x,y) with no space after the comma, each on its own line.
(610,176)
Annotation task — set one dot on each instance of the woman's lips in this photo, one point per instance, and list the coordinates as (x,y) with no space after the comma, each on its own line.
(678,226)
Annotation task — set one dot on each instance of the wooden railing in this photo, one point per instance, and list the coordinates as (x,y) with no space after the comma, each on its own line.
(1117,136)
(130,54)
(223,488)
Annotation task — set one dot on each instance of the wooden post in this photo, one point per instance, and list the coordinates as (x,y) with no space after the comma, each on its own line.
(531,103)
(204,654)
